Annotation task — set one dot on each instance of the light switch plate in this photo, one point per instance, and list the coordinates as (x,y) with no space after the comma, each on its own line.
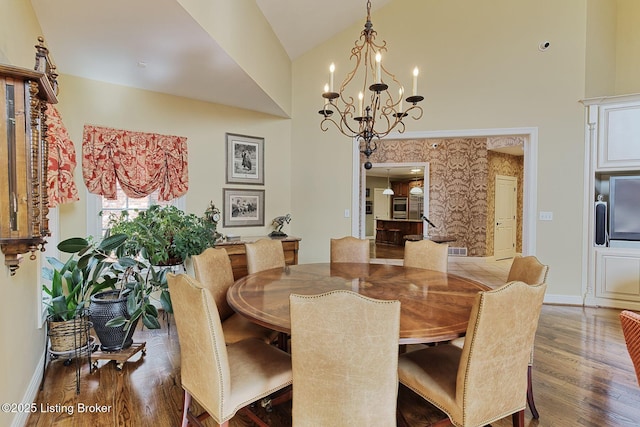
(546,216)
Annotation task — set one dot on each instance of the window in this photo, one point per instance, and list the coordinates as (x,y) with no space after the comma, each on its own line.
(97,225)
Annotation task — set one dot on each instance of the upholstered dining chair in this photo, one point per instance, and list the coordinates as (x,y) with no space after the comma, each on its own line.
(426,254)
(485,380)
(528,269)
(212,269)
(222,379)
(531,271)
(264,254)
(344,353)
(630,322)
(350,249)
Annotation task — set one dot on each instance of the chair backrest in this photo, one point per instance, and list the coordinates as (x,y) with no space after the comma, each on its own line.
(213,271)
(350,249)
(528,270)
(426,254)
(492,376)
(630,322)
(344,354)
(204,363)
(264,254)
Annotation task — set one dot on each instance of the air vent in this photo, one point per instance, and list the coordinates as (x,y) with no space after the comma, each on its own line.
(453,251)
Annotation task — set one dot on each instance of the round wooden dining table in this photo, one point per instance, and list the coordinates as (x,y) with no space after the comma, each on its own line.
(434,306)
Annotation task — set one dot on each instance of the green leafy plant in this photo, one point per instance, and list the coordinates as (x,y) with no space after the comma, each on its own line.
(95,269)
(164,235)
(73,282)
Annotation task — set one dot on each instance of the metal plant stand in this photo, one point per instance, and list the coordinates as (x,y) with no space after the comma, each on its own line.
(71,342)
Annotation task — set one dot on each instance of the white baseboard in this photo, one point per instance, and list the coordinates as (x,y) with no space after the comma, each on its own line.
(20,419)
(563,299)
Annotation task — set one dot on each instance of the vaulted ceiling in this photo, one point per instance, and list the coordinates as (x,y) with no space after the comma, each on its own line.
(156,45)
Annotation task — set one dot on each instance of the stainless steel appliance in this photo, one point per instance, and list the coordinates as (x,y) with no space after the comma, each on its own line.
(416,206)
(400,207)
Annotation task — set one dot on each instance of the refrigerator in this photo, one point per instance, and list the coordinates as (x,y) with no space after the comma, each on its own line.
(416,205)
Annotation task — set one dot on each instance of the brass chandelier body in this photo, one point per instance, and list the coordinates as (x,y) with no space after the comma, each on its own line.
(381,113)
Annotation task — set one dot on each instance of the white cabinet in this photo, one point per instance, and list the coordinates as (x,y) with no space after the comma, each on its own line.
(618,274)
(619,136)
(613,149)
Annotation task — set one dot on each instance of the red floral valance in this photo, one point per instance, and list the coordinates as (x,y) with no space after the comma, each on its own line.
(141,162)
(61,187)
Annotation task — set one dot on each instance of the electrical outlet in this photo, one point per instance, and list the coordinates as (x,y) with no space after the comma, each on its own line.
(546,216)
(347,213)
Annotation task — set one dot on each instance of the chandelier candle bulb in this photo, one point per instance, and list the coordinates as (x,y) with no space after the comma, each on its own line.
(332,68)
(400,94)
(415,81)
(378,72)
(360,100)
(326,88)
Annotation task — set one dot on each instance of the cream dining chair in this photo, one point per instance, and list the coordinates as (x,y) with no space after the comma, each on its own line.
(426,254)
(212,269)
(532,272)
(222,379)
(344,350)
(350,249)
(485,380)
(264,254)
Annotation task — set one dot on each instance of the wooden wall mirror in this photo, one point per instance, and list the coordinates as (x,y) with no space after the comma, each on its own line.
(24,95)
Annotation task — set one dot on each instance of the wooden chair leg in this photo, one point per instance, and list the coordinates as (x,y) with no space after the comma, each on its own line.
(518,418)
(532,404)
(185,410)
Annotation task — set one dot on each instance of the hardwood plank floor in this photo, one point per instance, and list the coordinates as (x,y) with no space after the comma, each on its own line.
(582,376)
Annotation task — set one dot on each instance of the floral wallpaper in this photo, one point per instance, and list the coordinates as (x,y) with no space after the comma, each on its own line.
(462,174)
(458,185)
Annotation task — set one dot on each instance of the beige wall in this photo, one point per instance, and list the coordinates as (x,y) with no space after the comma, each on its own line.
(627,47)
(204,124)
(601,48)
(481,68)
(21,339)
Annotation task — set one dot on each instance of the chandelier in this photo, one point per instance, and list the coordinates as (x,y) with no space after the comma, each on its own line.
(377,112)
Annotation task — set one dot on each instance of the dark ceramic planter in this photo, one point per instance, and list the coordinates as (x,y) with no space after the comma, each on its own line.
(106,306)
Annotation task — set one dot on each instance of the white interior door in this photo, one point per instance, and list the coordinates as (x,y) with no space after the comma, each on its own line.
(381,204)
(504,243)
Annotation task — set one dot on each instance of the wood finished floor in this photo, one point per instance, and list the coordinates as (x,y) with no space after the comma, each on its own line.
(582,376)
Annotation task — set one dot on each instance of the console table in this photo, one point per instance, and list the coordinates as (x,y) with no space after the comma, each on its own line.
(238,253)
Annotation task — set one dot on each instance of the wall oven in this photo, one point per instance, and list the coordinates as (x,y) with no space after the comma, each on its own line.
(400,207)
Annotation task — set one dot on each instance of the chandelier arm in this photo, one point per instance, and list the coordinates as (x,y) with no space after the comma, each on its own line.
(417,112)
(343,123)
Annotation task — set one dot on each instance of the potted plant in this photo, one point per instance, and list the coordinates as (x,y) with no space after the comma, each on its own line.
(72,284)
(119,288)
(165,235)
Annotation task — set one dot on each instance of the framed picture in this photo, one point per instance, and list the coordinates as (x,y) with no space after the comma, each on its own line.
(245,159)
(369,207)
(243,208)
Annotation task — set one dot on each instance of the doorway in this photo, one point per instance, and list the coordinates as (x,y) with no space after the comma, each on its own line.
(529,182)
(506,204)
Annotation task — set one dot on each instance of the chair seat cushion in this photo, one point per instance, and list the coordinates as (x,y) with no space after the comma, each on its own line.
(434,369)
(237,328)
(257,370)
